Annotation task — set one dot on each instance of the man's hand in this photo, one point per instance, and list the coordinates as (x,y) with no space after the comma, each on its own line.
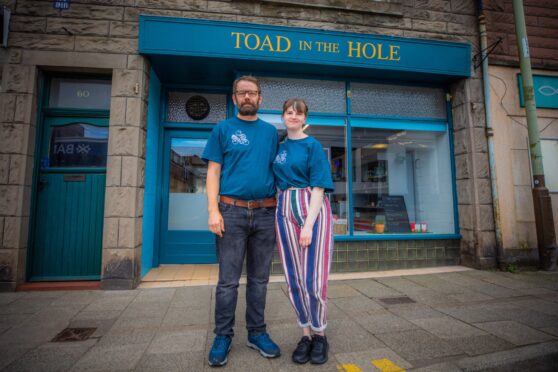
(216,223)
(305,237)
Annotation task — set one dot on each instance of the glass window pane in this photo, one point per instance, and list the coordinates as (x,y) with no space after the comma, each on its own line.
(398,100)
(334,144)
(402,182)
(320,95)
(191,107)
(549,150)
(187,185)
(78,145)
(80,93)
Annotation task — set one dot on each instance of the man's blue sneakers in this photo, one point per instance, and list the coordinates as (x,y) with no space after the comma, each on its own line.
(264,344)
(219,351)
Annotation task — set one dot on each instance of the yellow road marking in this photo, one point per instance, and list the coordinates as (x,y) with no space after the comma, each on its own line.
(386,365)
(348,368)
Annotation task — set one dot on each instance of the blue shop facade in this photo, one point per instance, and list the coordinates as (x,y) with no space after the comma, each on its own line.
(380,106)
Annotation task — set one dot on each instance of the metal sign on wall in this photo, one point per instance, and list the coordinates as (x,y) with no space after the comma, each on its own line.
(546,91)
(221,39)
(61,4)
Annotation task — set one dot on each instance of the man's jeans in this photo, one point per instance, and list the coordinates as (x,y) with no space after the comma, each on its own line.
(250,233)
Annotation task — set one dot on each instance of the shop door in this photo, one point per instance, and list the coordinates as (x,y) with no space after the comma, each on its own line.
(184,236)
(69,204)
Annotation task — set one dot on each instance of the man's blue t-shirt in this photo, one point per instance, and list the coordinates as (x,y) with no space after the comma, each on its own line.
(302,163)
(245,150)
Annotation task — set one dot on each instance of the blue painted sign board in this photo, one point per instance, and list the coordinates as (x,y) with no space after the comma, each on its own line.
(217,39)
(546,91)
(61,4)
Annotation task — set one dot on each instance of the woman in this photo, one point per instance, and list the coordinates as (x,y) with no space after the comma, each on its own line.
(304,229)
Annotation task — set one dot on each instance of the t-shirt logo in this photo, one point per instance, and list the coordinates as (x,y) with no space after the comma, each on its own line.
(281,158)
(239,138)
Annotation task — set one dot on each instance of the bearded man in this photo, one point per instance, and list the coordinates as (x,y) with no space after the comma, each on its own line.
(241,206)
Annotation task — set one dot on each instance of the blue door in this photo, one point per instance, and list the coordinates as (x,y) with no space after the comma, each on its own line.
(184,236)
(68,216)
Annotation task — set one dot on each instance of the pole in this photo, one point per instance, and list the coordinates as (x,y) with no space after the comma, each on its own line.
(546,237)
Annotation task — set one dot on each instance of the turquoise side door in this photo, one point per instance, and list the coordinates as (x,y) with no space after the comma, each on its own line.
(68,216)
(184,236)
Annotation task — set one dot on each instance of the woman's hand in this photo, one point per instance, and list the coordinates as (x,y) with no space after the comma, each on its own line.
(305,236)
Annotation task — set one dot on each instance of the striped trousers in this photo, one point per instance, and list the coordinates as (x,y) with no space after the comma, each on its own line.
(306,269)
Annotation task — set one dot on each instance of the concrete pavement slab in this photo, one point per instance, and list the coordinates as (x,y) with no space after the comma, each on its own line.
(516,333)
(177,316)
(363,360)
(154,295)
(348,336)
(97,315)
(494,290)
(355,305)
(470,296)
(447,328)
(439,367)
(102,325)
(401,285)
(132,336)
(415,311)
(518,359)
(52,357)
(13,351)
(432,298)
(477,312)
(10,297)
(341,290)
(551,330)
(483,344)
(145,310)
(531,318)
(111,358)
(177,362)
(384,322)
(542,306)
(109,302)
(180,340)
(372,289)
(77,298)
(417,345)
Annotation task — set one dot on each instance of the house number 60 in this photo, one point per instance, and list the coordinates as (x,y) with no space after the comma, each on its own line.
(83,93)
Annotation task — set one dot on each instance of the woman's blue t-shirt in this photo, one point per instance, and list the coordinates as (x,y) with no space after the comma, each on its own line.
(302,163)
(245,150)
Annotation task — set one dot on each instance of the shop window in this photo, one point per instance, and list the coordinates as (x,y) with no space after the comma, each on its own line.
(549,148)
(401,182)
(322,96)
(80,93)
(333,141)
(191,107)
(398,101)
(78,145)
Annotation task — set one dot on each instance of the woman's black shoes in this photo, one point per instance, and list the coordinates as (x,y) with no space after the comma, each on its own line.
(301,354)
(320,347)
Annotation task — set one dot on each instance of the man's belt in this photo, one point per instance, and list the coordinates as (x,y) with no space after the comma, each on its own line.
(250,204)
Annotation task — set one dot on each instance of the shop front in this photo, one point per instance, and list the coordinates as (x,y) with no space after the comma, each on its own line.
(380,106)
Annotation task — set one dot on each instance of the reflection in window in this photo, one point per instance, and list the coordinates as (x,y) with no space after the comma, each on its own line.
(187,185)
(78,145)
(333,142)
(402,182)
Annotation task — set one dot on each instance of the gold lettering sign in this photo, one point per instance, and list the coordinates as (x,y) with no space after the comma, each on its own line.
(281,44)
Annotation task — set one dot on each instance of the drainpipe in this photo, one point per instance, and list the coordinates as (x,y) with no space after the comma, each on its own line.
(544,221)
(490,135)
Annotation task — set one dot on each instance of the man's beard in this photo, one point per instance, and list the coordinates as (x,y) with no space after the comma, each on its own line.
(248,109)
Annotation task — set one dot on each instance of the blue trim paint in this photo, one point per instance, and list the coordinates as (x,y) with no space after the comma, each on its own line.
(453,169)
(244,41)
(417,236)
(150,200)
(432,126)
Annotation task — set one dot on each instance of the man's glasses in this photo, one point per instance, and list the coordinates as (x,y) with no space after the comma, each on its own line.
(243,93)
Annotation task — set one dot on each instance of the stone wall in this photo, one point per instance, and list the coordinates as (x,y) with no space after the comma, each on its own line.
(542,32)
(101,36)
(513,167)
